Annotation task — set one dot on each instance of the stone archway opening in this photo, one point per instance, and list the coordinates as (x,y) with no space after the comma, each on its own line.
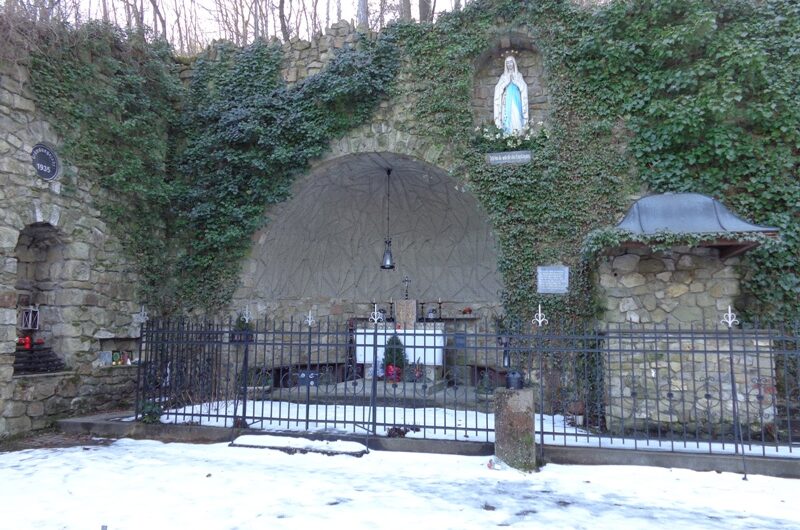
(324,245)
(41,274)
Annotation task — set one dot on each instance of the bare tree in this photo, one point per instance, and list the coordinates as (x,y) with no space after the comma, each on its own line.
(158,18)
(184,22)
(134,15)
(184,33)
(235,20)
(41,10)
(405,9)
(256,20)
(382,6)
(316,22)
(282,15)
(362,14)
(426,10)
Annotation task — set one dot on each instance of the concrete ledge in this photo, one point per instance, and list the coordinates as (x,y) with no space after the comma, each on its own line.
(109,425)
(756,465)
(442,447)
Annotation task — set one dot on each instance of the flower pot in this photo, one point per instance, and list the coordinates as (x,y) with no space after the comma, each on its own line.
(394,373)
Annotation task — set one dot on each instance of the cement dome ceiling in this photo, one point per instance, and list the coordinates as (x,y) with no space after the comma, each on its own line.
(326,241)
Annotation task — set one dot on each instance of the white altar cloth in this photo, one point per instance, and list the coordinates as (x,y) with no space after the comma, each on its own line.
(423,346)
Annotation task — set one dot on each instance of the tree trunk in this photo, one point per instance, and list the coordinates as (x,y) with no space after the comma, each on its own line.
(158,17)
(256,20)
(363,14)
(425,14)
(382,14)
(282,17)
(405,9)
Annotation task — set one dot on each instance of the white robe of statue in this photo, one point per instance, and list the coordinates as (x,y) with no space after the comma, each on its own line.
(511,99)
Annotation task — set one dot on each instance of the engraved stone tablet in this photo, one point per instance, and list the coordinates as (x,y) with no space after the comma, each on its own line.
(553,279)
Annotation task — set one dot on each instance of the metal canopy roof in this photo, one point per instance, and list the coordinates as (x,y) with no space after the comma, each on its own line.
(692,213)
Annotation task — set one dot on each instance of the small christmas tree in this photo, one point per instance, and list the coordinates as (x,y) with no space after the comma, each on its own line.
(394,353)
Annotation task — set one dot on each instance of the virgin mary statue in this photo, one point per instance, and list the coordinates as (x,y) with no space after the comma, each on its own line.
(511,99)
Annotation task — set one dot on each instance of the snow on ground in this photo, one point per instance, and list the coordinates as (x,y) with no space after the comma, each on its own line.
(146,484)
(300,444)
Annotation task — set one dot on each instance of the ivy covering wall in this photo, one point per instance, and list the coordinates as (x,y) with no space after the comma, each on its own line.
(648,96)
(113,98)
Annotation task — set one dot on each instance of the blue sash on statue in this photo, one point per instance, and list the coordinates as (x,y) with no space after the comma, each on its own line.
(513,107)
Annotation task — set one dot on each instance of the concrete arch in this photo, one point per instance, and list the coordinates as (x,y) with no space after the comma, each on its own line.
(323,246)
(381,136)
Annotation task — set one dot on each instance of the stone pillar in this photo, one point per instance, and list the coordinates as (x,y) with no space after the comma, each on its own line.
(515,443)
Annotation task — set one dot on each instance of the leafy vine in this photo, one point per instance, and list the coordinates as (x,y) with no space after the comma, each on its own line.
(646,96)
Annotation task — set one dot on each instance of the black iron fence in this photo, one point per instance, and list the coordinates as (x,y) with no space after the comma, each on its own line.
(710,389)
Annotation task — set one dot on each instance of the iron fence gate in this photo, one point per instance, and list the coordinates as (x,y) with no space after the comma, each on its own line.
(691,388)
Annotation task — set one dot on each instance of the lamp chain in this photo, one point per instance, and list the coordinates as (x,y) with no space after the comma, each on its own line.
(388,199)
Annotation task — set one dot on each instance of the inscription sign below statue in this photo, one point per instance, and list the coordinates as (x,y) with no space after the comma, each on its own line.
(45,162)
(552,279)
(508,157)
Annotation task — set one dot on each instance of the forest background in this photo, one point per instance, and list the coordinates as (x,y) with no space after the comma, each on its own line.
(190,25)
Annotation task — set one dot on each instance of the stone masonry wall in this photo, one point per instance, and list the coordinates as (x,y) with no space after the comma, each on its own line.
(682,286)
(305,58)
(658,376)
(681,381)
(38,400)
(302,58)
(55,251)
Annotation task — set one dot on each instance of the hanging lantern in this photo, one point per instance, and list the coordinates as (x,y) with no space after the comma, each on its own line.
(387,263)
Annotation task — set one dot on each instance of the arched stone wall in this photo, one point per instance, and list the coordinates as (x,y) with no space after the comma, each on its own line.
(302,276)
(322,248)
(86,284)
(42,271)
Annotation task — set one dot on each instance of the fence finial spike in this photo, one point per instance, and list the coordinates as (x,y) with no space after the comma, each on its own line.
(141,317)
(539,318)
(729,318)
(376,316)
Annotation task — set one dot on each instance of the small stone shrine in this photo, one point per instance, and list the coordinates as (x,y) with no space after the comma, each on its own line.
(671,291)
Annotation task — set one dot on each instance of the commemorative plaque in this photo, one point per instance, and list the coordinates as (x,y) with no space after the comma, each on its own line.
(45,161)
(553,279)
